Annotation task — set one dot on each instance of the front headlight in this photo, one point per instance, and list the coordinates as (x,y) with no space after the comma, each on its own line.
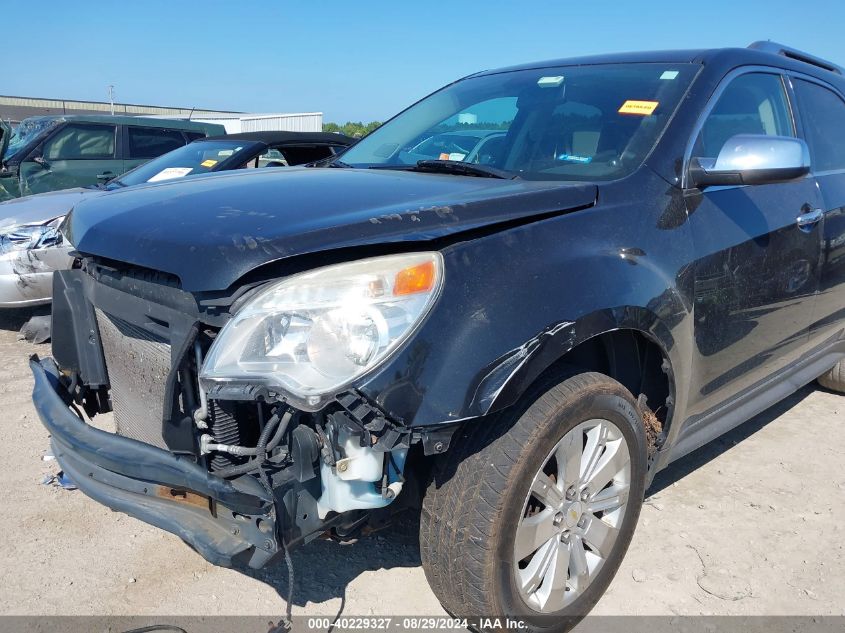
(313,333)
(29,236)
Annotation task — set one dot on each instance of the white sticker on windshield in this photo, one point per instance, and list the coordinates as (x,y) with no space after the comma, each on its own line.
(669,74)
(457,156)
(170,173)
(550,82)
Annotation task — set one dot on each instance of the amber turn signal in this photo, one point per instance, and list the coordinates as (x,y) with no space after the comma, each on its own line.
(419,278)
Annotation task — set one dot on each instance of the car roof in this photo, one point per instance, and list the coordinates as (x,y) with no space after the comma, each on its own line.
(178,124)
(281,137)
(679,56)
(765,53)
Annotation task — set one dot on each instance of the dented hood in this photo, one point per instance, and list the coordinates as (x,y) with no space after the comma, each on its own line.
(42,207)
(211,231)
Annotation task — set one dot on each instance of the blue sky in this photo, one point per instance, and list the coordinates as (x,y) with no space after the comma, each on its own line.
(356,60)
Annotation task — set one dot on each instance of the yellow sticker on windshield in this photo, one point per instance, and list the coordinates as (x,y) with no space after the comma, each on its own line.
(643,108)
(208,163)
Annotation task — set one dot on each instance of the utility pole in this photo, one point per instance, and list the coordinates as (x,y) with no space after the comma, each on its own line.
(111,98)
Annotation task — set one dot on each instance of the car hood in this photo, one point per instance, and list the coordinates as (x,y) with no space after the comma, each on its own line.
(42,207)
(211,231)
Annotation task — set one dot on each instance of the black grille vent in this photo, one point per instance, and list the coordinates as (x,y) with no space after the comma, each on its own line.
(120,271)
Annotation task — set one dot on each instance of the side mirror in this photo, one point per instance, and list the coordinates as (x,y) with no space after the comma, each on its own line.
(39,160)
(753,159)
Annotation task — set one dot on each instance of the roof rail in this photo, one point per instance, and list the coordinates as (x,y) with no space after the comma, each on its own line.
(793,53)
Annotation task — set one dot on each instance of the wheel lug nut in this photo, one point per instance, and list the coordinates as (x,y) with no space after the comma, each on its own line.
(558,520)
(582,522)
(564,538)
(570,493)
(585,494)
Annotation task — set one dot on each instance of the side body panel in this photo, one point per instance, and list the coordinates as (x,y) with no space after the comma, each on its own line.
(755,279)
(829,313)
(821,108)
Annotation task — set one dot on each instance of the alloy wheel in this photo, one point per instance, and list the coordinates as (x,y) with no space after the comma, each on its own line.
(572,515)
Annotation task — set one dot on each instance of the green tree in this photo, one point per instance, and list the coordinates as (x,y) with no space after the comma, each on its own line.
(355,129)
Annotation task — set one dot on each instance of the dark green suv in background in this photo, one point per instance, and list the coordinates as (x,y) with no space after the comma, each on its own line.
(59,152)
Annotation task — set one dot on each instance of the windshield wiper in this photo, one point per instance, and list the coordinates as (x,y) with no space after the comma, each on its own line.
(462,169)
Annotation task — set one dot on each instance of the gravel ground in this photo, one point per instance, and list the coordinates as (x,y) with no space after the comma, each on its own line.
(751,524)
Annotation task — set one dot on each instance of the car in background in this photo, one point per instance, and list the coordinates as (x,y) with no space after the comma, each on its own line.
(247,150)
(48,153)
(31,247)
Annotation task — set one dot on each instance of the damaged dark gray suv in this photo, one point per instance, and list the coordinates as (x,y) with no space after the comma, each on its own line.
(619,259)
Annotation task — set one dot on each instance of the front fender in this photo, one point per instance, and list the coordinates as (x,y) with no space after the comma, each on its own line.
(509,377)
(515,301)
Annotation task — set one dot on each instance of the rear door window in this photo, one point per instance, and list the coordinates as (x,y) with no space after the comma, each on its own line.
(146,142)
(823,116)
(81,141)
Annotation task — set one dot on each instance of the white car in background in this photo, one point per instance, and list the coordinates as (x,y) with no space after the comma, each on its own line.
(31,246)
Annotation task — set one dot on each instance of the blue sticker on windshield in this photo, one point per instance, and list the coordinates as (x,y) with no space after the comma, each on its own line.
(571,158)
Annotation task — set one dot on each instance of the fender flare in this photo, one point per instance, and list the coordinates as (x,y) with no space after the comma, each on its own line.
(503,382)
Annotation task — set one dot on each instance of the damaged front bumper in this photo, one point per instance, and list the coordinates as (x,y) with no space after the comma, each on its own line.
(228,523)
(26,276)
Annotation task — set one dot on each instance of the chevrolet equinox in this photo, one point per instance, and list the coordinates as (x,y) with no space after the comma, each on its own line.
(608,262)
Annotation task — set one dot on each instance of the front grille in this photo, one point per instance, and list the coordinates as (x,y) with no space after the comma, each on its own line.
(138,364)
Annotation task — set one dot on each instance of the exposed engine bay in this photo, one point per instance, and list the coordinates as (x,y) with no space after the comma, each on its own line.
(332,471)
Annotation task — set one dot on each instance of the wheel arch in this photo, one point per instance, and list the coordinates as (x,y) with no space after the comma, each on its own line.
(631,345)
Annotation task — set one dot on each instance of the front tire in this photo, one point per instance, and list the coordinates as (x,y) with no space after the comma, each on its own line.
(532,511)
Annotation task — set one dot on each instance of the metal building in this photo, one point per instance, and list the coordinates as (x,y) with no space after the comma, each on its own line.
(297,122)
(15,109)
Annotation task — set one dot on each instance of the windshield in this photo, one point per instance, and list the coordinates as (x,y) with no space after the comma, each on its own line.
(26,132)
(199,157)
(567,123)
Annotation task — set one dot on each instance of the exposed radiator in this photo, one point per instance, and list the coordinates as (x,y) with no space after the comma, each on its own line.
(138,364)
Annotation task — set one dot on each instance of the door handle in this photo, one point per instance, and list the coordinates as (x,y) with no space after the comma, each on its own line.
(807,221)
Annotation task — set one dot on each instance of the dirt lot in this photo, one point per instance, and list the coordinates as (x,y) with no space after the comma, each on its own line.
(752,524)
